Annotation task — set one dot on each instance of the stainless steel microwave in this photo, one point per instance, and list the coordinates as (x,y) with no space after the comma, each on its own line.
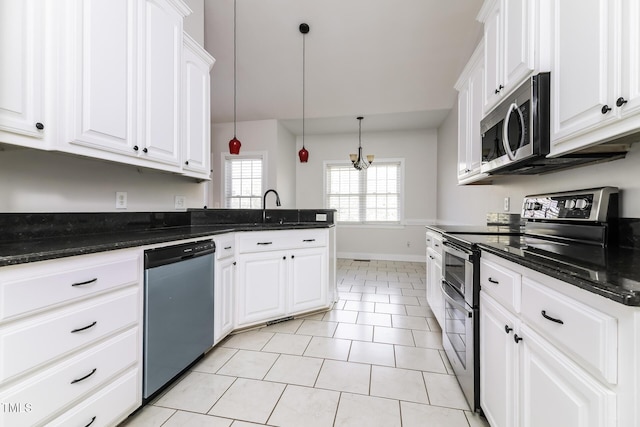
(517,132)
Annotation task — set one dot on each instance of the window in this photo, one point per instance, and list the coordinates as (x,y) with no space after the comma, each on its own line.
(369,196)
(243,182)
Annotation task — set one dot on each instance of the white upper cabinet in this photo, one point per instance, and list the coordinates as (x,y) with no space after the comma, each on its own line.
(470,99)
(515,45)
(595,73)
(160,89)
(101,43)
(196,143)
(21,74)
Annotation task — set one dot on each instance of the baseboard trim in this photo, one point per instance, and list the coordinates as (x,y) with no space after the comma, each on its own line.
(381,257)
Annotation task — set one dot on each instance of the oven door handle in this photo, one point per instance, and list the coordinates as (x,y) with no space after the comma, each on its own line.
(453,302)
(458,251)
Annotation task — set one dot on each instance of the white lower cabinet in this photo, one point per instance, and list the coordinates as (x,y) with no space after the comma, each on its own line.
(434,275)
(290,279)
(224,298)
(72,354)
(553,355)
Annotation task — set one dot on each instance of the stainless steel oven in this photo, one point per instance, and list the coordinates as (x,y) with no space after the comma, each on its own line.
(460,278)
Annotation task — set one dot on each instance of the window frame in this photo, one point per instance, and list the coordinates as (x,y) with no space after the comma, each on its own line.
(249,155)
(379,161)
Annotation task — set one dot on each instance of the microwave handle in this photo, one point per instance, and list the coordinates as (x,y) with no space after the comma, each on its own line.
(505,130)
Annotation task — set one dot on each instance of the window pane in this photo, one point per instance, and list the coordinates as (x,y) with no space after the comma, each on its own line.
(243,183)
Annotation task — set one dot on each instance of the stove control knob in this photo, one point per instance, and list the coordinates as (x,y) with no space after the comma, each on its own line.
(582,204)
(571,204)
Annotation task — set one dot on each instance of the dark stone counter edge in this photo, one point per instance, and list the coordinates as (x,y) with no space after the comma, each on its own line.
(87,244)
(627,298)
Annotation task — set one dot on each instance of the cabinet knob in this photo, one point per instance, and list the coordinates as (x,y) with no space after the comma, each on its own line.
(517,339)
(284,257)
(234,263)
(507,329)
(135,148)
(499,89)
(40,126)
(293,256)
(144,150)
(620,102)
(186,162)
(605,109)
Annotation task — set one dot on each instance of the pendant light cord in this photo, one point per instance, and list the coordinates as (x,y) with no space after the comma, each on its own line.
(234,68)
(304,36)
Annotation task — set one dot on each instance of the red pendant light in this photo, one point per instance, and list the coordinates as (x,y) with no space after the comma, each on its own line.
(303,153)
(234,144)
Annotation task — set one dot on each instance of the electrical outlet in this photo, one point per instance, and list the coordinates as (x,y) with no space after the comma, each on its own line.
(506,204)
(121,200)
(408,244)
(180,202)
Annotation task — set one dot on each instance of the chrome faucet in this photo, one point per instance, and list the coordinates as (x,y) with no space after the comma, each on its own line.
(264,203)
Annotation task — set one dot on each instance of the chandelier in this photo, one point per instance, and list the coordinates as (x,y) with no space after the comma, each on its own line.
(357,159)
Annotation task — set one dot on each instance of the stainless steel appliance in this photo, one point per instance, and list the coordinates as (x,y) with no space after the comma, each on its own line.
(516,135)
(178,310)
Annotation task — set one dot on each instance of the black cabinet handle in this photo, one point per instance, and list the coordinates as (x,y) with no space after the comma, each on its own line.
(186,162)
(517,339)
(135,148)
(264,243)
(309,240)
(226,248)
(605,109)
(430,256)
(85,283)
(284,257)
(85,328)
(437,245)
(77,380)
(499,89)
(234,263)
(507,329)
(39,126)
(544,314)
(91,422)
(293,256)
(144,150)
(495,282)
(620,102)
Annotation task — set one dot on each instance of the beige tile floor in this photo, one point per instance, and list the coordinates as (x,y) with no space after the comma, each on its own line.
(375,359)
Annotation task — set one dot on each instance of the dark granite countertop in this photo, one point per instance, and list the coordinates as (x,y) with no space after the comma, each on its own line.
(612,272)
(36,237)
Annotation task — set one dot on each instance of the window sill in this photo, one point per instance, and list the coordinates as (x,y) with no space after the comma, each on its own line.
(390,226)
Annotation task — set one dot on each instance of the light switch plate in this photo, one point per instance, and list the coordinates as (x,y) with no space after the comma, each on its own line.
(180,202)
(121,200)
(506,204)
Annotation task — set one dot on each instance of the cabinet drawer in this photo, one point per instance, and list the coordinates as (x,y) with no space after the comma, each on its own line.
(588,335)
(48,392)
(261,241)
(107,407)
(28,344)
(434,241)
(30,287)
(225,247)
(501,283)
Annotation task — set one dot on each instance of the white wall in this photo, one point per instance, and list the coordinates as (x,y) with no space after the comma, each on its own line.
(469,204)
(194,23)
(257,136)
(419,150)
(40,181)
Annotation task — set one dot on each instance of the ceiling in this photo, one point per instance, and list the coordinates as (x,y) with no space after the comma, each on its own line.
(392,61)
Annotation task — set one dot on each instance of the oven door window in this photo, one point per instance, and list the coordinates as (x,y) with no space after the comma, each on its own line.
(456,323)
(454,271)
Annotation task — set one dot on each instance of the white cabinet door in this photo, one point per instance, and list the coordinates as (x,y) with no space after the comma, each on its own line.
(224,299)
(558,393)
(492,57)
(161,34)
(498,364)
(21,78)
(434,291)
(463,130)
(261,287)
(474,145)
(517,61)
(196,142)
(101,42)
(308,280)
(630,43)
(580,75)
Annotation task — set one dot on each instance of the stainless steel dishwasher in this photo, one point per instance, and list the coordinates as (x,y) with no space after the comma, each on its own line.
(178,310)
